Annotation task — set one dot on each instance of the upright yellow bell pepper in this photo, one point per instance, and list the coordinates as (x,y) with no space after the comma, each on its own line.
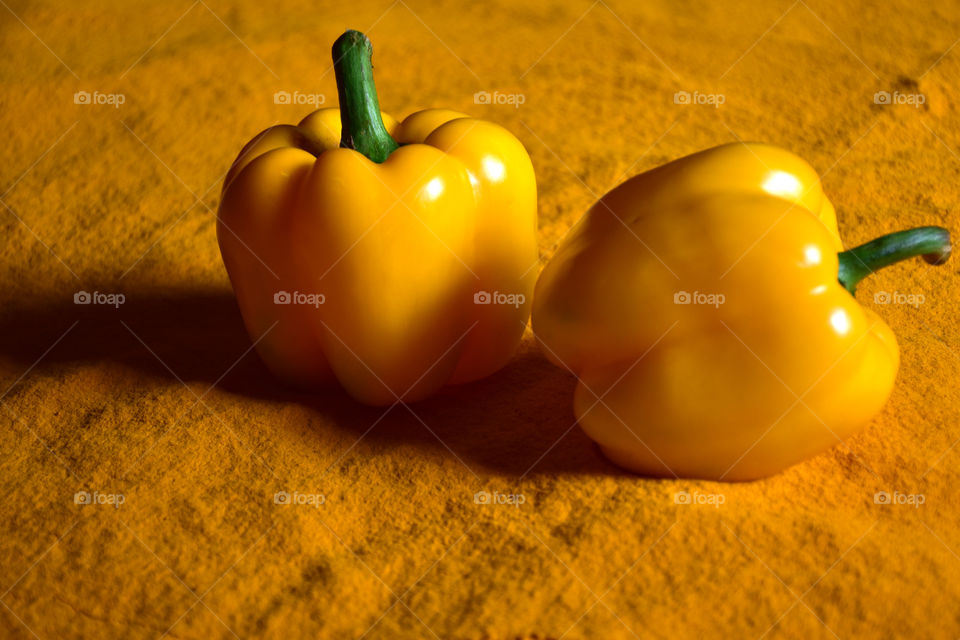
(393,268)
(706,307)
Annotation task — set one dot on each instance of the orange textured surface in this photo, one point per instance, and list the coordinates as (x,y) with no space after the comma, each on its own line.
(160,400)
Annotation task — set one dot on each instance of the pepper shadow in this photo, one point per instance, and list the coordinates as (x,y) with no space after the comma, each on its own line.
(518,421)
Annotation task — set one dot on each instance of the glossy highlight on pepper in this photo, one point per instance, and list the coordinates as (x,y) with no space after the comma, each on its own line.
(364,250)
(706,307)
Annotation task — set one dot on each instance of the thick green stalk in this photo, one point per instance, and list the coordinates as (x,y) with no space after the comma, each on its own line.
(933,243)
(363,128)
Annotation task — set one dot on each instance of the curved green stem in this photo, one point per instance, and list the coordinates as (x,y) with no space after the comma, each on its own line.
(933,243)
(363,128)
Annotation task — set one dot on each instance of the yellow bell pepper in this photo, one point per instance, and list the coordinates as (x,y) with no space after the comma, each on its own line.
(393,268)
(706,307)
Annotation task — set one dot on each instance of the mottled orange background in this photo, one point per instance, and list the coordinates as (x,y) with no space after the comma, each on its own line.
(161,401)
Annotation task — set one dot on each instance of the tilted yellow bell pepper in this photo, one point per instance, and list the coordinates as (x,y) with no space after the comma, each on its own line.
(394,268)
(711,322)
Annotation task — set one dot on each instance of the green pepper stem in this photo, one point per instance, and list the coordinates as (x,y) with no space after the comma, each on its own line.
(933,243)
(362,127)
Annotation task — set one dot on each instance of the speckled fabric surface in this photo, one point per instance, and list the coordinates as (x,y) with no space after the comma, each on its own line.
(157,414)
